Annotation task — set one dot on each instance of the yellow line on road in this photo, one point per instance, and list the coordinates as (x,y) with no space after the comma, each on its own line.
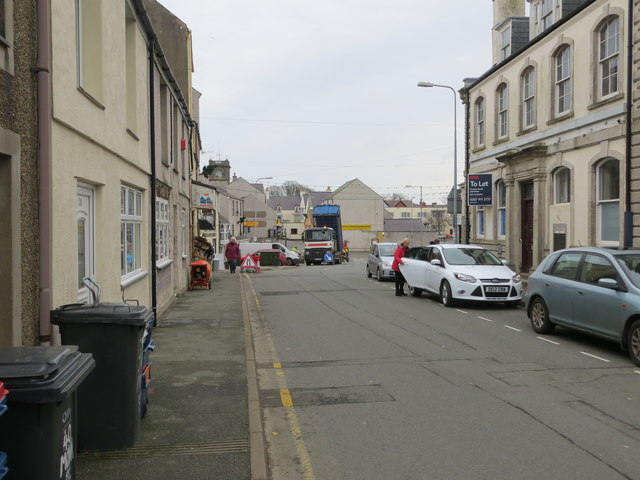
(285,397)
(277,365)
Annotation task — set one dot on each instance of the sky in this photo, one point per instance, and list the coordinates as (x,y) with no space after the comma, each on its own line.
(324,92)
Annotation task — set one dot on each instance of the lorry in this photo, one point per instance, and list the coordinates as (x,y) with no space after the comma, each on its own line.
(323,242)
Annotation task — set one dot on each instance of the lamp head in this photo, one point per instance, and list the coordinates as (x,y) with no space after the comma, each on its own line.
(425,84)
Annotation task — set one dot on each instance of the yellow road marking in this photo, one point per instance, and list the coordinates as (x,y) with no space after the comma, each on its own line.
(285,397)
(277,365)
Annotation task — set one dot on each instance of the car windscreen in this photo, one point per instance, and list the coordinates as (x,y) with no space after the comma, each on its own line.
(630,263)
(470,256)
(387,250)
(318,235)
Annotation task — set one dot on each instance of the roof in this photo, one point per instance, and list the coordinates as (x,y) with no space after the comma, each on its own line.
(403,225)
(285,203)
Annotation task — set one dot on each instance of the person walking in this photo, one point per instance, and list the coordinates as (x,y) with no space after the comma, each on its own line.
(400,252)
(232,254)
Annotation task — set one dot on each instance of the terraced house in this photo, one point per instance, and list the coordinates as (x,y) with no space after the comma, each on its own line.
(548,123)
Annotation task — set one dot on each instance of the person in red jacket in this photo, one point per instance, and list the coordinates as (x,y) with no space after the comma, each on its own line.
(232,254)
(400,252)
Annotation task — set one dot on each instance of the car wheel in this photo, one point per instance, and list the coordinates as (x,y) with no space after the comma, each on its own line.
(540,317)
(368,272)
(633,342)
(415,292)
(445,295)
(378,275)
(289,262)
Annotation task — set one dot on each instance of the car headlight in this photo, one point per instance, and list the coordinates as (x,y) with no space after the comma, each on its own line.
(516,278)
(465,278)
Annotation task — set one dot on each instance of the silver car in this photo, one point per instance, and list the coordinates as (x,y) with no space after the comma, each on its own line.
(380,260)
(594,290)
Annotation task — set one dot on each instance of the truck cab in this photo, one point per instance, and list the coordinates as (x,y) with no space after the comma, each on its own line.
(318,241)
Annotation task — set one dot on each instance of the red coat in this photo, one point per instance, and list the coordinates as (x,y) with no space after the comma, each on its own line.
(397,255)
(232,251)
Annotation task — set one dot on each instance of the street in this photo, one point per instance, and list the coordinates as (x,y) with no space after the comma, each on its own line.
(356,383)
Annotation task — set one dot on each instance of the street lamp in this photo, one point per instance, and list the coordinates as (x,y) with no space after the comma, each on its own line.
(263,178)
(416,186)
(455,156)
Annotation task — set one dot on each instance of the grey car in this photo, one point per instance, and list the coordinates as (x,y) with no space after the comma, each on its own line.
(594,290)
(380,260)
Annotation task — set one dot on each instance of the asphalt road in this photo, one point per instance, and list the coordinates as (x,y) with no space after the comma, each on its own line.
(357,383)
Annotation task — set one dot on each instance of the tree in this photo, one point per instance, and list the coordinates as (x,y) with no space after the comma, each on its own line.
(394,197)
(290,188)
(437,220)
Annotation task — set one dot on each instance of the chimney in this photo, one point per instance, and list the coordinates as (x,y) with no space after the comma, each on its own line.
(235,177)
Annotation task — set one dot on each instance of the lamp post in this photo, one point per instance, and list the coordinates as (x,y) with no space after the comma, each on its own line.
(455,156)
(263,178)
(418,186)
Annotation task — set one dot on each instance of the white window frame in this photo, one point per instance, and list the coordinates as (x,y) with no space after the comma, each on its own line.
(405,214)
(185,232)
(501,195)
(86,214)
(505,43)
(546,13)
(503,111)
(163,239)
(610,204)
(529,98)
(609,57)
(563,82)
(130,227)
(6,40)
(480,222)
(562,186)
(480,122)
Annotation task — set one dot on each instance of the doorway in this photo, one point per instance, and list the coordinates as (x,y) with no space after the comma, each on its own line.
(86,240)
(526,226)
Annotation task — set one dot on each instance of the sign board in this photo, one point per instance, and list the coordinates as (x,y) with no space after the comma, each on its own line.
(480,189)
(328,257)
(251,224)
(357,227)
(202,197)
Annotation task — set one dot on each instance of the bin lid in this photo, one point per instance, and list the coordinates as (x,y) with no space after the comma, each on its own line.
(43,374)
(115,313)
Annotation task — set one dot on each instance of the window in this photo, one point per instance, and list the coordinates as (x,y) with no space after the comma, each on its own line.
(608,57)
(162,230)
(294,231)
(596,267)
(480,124)
(89,46)
(185,232)
(501,190)
(86,240)
(503,105)
(480,221)
(130,230)
(566,266)
(405,214)
(3,20)
(546,15)
(505,43)
(608,202)
(563,80)
(6,36)
(561,185)
(528,98)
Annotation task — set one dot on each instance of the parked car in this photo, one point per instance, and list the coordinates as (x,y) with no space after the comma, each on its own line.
(460,272)
(255,256)
(594,290)
(291,257)
(380,260)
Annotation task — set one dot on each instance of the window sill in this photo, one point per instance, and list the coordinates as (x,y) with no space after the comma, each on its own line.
(605,101)
(527,130)
(4,42)
(164,263)
(185,256)
(132,278)
(133,135)
(91,98)
(560,118)
(500,141)
(479,148)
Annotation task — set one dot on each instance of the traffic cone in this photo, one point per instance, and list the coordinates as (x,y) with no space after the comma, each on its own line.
(258,265)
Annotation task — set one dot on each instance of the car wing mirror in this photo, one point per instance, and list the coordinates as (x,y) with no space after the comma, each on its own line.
(436,262)
(608,283)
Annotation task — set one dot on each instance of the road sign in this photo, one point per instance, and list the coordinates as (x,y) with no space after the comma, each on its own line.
(328,257)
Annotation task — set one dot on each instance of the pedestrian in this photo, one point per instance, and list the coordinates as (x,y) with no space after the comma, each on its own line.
(232,254)
(400,252)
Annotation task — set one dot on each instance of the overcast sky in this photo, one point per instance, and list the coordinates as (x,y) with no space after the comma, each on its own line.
(323,92)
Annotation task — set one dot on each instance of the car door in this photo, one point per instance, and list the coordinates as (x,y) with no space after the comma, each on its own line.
(559,285)
(434,272)
(372,259)
(413,267)
(598,309)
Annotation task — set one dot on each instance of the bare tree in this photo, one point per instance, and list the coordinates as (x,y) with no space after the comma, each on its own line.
(290,188)
(437,220)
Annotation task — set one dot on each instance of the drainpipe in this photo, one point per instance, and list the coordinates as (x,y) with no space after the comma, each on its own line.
(628,214)
(152,155)
(43,76)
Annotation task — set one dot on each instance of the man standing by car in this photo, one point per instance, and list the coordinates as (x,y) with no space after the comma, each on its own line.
(232,254)
(400,252)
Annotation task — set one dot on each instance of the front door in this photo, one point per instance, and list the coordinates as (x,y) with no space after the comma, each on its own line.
(86,245)
(526,226)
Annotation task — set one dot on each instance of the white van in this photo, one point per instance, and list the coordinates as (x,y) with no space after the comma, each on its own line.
(247,248)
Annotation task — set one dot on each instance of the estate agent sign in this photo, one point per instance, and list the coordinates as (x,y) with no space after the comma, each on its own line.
(480,190)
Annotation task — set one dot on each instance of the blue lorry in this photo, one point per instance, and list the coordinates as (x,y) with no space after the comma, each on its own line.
(323,242)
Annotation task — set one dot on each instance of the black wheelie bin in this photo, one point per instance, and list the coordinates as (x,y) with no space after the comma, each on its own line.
(111,401)
(39,426)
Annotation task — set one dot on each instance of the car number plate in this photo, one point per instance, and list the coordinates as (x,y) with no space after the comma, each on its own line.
(496,289)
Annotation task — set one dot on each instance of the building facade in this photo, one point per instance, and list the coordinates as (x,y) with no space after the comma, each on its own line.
(547,130)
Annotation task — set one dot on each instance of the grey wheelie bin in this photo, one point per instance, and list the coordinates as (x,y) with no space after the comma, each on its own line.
(111,401)
(38,429)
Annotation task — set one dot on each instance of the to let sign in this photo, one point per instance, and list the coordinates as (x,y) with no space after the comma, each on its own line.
(480,190)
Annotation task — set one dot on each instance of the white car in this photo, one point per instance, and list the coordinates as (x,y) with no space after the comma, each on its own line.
(460,272)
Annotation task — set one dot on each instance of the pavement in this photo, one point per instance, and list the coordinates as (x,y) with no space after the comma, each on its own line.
(204,414)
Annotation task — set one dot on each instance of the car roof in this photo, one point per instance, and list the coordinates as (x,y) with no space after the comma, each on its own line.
(609,251)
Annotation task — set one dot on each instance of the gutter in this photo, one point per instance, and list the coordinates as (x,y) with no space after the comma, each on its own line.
(628,214)
(43,76)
